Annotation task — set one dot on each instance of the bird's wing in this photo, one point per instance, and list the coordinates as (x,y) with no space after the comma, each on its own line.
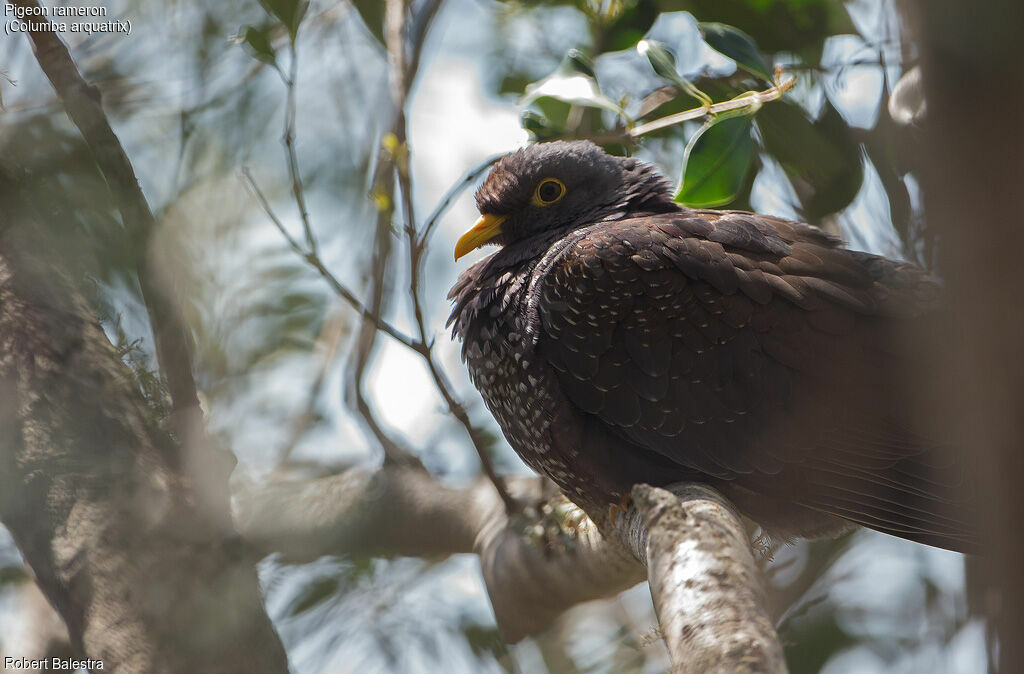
(755,350)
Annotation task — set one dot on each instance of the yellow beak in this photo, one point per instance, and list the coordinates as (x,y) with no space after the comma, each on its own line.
(485,229)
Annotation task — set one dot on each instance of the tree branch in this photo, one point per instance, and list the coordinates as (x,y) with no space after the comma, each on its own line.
(403,511)
(314,261)
(82,103)
(444,387)
(93,495)
(81,100)
(750,100)
(450,196)
(402,75)
(298,190)
(395,510)
(705,583)
(704,580)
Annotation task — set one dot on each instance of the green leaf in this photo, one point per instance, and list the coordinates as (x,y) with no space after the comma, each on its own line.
(663,61)
(288,12)
(661,58)
(257,43)
(540,127)
(372,13)
(738,46)
(794,26)
(822,159)
(625,24)
(573,83)
(716,163)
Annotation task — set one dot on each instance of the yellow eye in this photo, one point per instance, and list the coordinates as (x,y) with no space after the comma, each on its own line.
(548,192)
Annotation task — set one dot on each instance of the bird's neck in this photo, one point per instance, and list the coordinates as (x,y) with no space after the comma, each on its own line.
(646,191)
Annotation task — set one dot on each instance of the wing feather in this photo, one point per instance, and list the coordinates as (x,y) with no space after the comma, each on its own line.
(746,347)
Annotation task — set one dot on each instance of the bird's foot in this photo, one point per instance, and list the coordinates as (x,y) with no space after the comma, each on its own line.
(620,507)
(553,525)
(764,547)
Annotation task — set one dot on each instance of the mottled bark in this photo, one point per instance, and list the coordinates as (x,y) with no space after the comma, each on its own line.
(93,493)
(706,586)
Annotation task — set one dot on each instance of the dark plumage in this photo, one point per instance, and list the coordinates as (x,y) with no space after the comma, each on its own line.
(620,338)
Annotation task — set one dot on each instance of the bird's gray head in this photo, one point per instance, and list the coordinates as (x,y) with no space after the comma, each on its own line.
(557,185)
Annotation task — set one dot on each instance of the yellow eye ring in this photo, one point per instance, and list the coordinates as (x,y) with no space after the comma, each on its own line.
(548,192)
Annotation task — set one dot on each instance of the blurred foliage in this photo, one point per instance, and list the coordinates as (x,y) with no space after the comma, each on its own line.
(372,14)
(738,46)
(56,184)
(821,161)
(821,155)
(809,646)
(288,12)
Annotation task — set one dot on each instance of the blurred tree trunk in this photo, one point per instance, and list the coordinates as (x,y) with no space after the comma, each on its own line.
(92,489)
(974,164)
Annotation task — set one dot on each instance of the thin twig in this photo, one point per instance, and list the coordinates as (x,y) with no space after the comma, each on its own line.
(393,160)
(289,145)
(401,74)
(400,156)
(750,100)
(449,197)
(444,387)
(382,191)
(314,261)
(393,452)
(365,343)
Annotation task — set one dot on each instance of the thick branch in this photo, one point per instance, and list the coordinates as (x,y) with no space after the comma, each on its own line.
(81,101)
(706,586)
(403,511)
(92,493)
(363,512)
